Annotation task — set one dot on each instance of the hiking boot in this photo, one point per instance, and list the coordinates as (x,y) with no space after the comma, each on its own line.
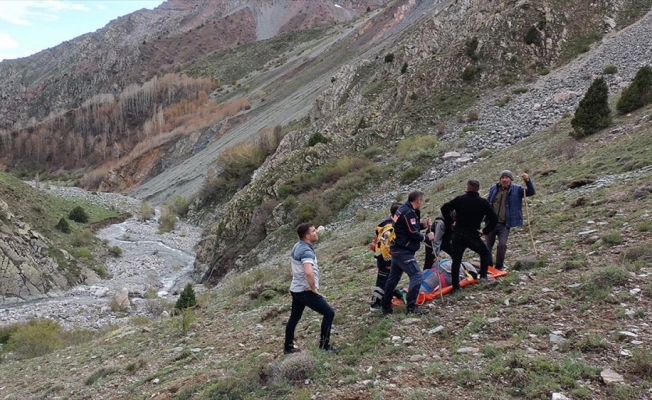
(387,311)
(417,310)
(375,307)
(330,349)
(291,350)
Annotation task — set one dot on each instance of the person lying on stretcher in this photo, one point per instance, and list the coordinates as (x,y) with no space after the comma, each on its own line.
(437,279)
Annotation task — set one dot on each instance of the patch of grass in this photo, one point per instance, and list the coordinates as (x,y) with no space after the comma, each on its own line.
(411,147)
(641,363)
(612,238)
(369,339)
(599,283)
(644,226)
(101,373)
(639,252)
(591,343)
(520,90)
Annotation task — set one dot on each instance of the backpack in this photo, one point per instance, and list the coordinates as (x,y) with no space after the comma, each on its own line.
(384,239)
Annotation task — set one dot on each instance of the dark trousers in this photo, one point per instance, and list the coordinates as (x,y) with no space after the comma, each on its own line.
(403,261)
(461,242)
(502,232)
(430,258)
(316,303)
(381,279)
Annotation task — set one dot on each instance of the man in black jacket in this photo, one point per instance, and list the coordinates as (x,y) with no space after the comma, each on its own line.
(407,227)
(471,210)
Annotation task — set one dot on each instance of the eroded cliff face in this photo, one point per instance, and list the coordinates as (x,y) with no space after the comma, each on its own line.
(434,42)
(27,269)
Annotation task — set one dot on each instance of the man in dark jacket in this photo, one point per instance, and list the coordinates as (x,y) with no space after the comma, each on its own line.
(506,198)
(407,227)
(471,210)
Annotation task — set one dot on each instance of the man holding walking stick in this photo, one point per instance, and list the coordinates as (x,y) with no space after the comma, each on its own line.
(506,198)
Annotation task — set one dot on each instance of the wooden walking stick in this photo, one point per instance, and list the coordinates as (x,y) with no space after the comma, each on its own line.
(527,212)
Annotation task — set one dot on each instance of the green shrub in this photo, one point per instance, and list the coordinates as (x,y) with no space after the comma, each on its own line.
(389,57)
(404,67)
(471,46)
(82,253)
(317,137)
(238,163)
(63,225)
(638,93)
(532,35)
(472,116)
(469,73)
(146,211)
(593,112)
(82,238)
(36,338)
(179,205)
(612,238)
(410,174)
(78,215)
(186,299)
(167,221)
(610,69)
(6,332)
(115,251)
(102,271)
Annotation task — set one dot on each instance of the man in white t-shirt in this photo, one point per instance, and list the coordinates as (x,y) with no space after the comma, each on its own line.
(304,290)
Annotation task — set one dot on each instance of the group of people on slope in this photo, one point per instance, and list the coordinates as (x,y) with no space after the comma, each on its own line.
(456,229)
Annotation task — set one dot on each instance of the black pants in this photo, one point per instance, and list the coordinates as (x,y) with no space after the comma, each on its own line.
(317,303)
(461,242)
(446,246)
(381,279)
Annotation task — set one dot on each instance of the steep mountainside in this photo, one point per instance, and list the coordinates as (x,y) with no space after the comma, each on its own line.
(133,48)
(431,64)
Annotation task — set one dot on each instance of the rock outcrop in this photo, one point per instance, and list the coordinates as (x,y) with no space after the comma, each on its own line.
(26,268)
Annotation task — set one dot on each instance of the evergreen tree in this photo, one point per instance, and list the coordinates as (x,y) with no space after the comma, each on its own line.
(186,299)
(63,225)
(638,93)
(593,112)
(78,215)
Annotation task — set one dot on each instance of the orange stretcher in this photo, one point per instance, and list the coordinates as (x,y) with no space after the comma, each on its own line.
(427,296)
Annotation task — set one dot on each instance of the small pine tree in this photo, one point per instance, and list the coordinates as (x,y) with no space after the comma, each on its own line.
(638,93)
(186,299)
(532,35)
(593,113)
(78,215)
(63,225)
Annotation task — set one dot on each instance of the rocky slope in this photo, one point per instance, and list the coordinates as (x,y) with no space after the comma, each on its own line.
(431,98)
(27,270)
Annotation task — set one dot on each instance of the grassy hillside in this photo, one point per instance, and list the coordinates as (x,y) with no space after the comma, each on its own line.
(43,211)
(552,325)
